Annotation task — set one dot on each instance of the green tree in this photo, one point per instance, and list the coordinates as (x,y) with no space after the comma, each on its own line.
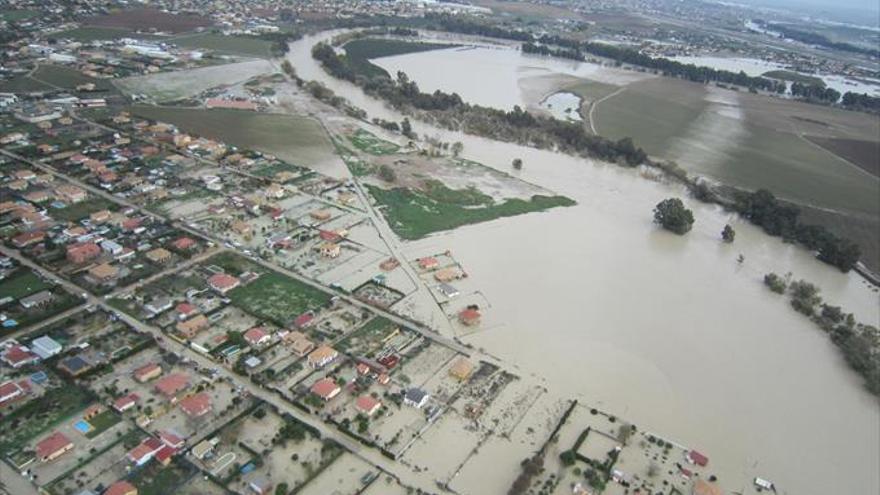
(387,174)
(728,234)
(457,148)
(517,163)
(775,283)
(673,216)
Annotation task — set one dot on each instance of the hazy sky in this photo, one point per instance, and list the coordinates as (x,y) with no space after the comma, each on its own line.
(864,12)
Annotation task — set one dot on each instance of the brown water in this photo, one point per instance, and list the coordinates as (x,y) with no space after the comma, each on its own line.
(669,332)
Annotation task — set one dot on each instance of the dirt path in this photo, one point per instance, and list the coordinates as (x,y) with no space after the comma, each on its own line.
(593,106)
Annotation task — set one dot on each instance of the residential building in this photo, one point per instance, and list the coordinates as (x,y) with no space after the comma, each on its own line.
(326,388)
(257,336)
(191,327)
(196,405)
(461,369)
(172,385)
(367,405)
(416,397)
(223,283)
(82,252)
(45,347)
(322,356)
(37,300)
(52,447)
(121,487)
(147,372)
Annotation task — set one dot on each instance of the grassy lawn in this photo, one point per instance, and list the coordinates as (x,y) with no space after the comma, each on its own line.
(102,422)
(415,214)
(41,415)
(23,84)
(156,480)
(95,33)
(22,283)
(366,338)
(359,52)
(294,139)
(234,45)
(277,298)
(81,210)
(372,144)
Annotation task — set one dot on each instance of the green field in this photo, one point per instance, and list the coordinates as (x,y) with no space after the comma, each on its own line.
(360,51)
(232,45)
(22,283)
(372,144)
(294,139)
(277,298)
(48,77)
(415,214)
(787,75)
(102,422)
(94,33)
(81,210)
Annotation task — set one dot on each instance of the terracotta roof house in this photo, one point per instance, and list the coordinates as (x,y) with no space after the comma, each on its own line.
(126,402)
(184,244)
(447,274)
(196,405)
(428,263)
(52,447)
(222,282)
(702,487)
(191,327)
(82,252)
(303,320)
(367,405)
(185,310)
(469,317)
(70,193)
(320,215)
(257,336)
(145,451)
(121,487)
(10,391)
(326,388)
(322,356)
(26,239)
(172,439)
(18,356)
(103,272)
(147,372)
(172,384)
(697,458)
(299,343)
(164,455)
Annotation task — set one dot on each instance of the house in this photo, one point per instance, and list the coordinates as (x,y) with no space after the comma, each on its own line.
(196,405)
(322,356)
(260,486)
(126,402)
(10,391)
(82,252)
(159,256)
(416,397)
(52,447)
(469,317)
(428,263)
(164,455)
(172,439)
(92,411)
(147,372)
(191,327)
(326,388)
(696,458)
(26,239)
(299,343)
(223,283)
(70,193)
(367,405)
(145,451)
(18,356)
(121,487)
(447,274)
(448,290)
(257,336)
(172,384)
(329,249)
(389,264)
(45,347)
(101,216)
(461,369)
(185,310)
(37,300)
(203,449)
(159,305)
(104,272)
(112,247)
(184,244)
(75,365)
(321,215)
(304,320)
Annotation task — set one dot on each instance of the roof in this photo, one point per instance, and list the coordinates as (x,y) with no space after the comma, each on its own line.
(146,370)
(702,487)
(146,448)
(415,395)
(222,281)
(171,438)
(255,335)
(121,487)
(303,320)
(186,308)
(697,458)
(124,401)
(172,384)
(367,403)
(322,353)
(325,388)
(51,444)
(196,405)
(18,354)
(461,369)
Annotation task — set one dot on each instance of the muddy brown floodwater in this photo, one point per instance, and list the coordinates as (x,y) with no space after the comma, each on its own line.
(669,332)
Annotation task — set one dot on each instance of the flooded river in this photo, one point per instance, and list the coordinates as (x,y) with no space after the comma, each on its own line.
(669,332)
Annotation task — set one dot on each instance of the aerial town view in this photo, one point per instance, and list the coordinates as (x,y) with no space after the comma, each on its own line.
(468,247)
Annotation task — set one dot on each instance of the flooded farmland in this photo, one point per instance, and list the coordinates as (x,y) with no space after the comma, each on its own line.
(669,332)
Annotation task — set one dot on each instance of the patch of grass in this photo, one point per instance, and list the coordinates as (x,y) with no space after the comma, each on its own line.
(77,211)
(360,51)
(22,283)
(23,84)
(277,298)
(102,422)
(41,414)
(93,33)
(787,75)
(68,78)
(157,480)
(18,15)
(372,144)
(414,214)
(234,45)
(471,196)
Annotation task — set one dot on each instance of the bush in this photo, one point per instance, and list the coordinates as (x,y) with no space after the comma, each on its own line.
(673,216)
(775,283)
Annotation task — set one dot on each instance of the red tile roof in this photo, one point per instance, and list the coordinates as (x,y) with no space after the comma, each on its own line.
(697,458)
(325,388)
(51,444)
(255,335)
(17,355)
(222,281)
(366,404)
(121,487)
(123,403)
(196,405)
(172,384)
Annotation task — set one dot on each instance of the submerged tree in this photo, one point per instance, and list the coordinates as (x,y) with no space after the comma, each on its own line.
(517,163)
(728,234)
(673,216)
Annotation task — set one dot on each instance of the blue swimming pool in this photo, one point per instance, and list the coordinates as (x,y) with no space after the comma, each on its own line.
(82,426)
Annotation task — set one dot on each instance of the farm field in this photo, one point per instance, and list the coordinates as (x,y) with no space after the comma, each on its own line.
(858,152)
(169,86)
(277,297)
(149,20)
(22,284)
(294,139)
(233,45)
(96,33)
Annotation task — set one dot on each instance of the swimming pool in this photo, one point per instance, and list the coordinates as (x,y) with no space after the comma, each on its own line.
(83,426)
